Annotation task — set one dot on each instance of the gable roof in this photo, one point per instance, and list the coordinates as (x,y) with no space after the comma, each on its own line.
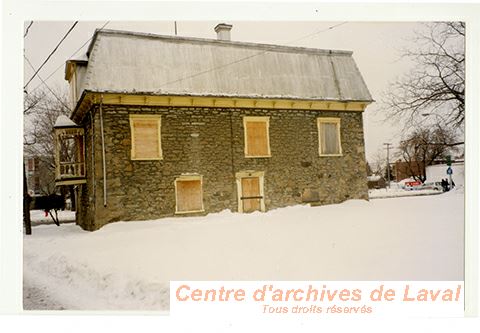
(128,62)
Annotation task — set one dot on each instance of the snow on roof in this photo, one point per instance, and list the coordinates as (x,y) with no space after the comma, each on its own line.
(374,178)
(132,62)
(81,57)
(64,121)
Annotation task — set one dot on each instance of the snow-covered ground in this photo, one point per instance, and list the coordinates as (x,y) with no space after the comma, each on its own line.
(38,216)
(128,265)
(38,298)
(398,192)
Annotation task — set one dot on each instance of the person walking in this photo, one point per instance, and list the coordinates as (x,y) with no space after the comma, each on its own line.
(444,185)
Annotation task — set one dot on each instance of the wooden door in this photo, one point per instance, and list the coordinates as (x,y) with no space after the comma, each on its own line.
(251,194)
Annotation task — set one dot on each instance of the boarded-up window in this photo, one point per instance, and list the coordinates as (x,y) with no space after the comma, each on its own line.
(329,136)
(189,194)
(257,143)
(146,144)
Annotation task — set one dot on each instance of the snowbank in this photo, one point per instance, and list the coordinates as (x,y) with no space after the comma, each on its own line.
(435,173)
(128,265)
(398,192)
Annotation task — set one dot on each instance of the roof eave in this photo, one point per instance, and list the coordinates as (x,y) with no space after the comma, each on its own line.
(78,118)
(70,66)
(213,95)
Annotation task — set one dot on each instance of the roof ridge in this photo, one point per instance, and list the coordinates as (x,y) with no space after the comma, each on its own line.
(263,46)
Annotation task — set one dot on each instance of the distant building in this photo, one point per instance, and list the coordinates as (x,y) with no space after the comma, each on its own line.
(40,175)
(403,170)
(32,167)
(376,182)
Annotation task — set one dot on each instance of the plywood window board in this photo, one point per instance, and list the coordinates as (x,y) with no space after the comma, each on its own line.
(189,194)
(329,137)
(146,137)
(257,140)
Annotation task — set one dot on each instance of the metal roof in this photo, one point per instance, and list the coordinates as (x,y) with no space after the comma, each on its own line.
(64,121)
(121,61)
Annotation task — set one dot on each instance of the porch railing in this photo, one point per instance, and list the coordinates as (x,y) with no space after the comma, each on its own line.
(71,170)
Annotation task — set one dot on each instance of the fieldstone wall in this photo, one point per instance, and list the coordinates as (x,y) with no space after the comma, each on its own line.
(210,142)
(85,216)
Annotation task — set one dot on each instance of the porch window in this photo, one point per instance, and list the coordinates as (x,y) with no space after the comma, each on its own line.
(189,194)
(69,152)
(329,137)
(257,142)
(146,138)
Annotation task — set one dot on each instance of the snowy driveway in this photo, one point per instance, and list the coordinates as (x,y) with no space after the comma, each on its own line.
(128,265)
(37,298)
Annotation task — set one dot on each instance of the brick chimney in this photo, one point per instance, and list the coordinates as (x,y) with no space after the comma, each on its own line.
(223,31)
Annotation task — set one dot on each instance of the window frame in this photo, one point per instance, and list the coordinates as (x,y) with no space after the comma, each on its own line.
(152,117)
(189,177)
(266,120)
(329,120)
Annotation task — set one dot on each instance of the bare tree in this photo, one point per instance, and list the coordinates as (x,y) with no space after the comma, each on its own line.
(436,84)
(378,163)
(41,109)
(423,146)
(369,169)
(40,139)
(31,102)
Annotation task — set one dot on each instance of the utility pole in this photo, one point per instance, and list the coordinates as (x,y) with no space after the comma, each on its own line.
(388,162)
(175,23)
(26,204)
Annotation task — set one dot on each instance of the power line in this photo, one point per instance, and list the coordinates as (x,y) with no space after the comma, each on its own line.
(26,31)
(249,57)
(51,53)
(46,85)
(61,65)
(208,70)
(317,32)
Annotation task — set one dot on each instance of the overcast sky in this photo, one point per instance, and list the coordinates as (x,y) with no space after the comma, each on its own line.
(376,50)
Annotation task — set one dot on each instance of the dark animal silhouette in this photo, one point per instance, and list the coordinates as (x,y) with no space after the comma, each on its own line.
(48,203)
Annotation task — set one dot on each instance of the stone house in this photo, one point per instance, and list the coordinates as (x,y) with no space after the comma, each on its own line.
(175,126)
